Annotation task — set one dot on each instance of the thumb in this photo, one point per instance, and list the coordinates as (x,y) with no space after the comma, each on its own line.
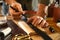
(29,20)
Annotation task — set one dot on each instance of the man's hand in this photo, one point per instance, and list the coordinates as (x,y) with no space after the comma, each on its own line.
(37,21)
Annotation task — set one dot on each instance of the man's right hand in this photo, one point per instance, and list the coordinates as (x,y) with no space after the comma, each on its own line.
(38,21)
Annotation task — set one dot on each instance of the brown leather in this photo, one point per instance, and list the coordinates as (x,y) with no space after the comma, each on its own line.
(50,10)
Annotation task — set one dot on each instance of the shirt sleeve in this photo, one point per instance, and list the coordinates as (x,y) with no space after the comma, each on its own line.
(46,2)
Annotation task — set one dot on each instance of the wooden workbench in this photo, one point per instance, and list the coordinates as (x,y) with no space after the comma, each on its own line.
(34,36)
(31,32)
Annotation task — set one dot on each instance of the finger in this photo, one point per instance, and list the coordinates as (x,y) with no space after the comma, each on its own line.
(29,20)
(42,23)
(41,19)
(24,12)
(38,21)
(46,25)
(34,21)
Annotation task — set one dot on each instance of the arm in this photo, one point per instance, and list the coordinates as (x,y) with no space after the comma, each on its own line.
(38,20)
(41,7)
(40,11)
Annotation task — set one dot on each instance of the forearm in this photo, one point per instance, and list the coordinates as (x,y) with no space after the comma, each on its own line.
(41,8)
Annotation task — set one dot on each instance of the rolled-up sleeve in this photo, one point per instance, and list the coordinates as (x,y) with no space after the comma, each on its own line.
(46,2)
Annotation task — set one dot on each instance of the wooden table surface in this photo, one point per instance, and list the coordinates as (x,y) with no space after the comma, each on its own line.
(37,37)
